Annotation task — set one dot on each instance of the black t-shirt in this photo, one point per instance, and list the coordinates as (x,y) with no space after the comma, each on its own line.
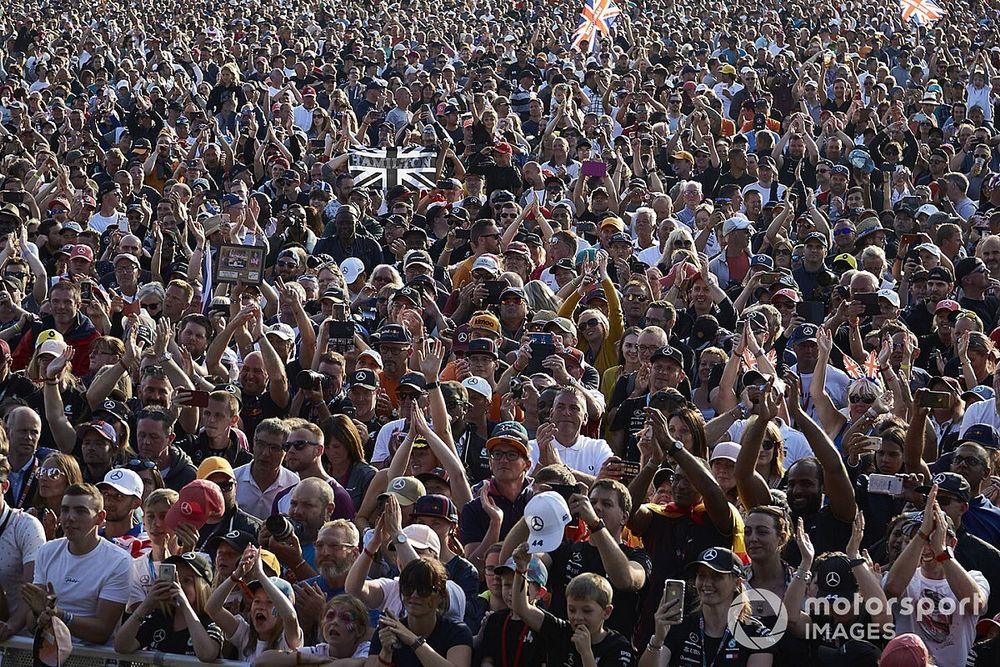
(447,634)
(571,559)
(690,646)
(256,409)
(511,643)
(985,308)
(631,418)
(156,633)
(918,319)
(613,650)
(827,533)
(198,447)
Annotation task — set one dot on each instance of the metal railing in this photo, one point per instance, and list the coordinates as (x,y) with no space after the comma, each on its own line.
(16,652)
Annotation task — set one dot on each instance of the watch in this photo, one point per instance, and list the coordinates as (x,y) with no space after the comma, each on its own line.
(597,527)
(741,411)
(947,554)
(401,538)
(675,447)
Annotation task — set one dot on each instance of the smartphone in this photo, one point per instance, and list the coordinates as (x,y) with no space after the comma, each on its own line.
(495,288)
(909,240)
(196,399)
(13,197)
(564,490)
(594,168)
(462,233)
(167,572)
(86,291)
(341,337)
(542,346)
(629,470)
(673,589)
(812,312)
(870,299)
(130,308)
(885,485)
(769,278)
(935,399)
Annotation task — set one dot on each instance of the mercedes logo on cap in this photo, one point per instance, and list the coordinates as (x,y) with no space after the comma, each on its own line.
(186,508)
(832,579)
(117,474)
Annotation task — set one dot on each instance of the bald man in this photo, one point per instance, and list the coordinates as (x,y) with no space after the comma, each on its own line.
(24,429)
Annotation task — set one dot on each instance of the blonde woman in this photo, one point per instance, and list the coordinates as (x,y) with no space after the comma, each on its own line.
(228,88)
(56,474)
(172,617)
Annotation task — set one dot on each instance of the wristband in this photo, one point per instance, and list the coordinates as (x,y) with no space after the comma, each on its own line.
(857,561)
(370,554)
(598,527)
(432,385)
(653,647)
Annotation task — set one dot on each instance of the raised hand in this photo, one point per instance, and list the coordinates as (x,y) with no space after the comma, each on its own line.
(55,367)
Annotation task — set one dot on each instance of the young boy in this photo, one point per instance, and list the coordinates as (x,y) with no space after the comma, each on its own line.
(582,641)
(506,639)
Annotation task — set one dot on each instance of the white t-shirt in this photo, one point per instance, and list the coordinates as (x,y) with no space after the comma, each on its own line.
(981,412)
(100,224)
(392,602)
(586,455)
(948,636)
(765,193)
(104,573)
(241,637)
(381,451)
(796,445)
(144,573)
(837,382)
(22,536)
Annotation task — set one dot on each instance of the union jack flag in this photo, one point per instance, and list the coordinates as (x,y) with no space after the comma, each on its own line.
(384,168)
(748,360)
(596,16)
(922,11)
(852,368)
(871,366)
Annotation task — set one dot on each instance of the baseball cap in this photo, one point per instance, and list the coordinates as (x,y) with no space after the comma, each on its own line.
(816,236)
(979,393)
(104,429)
(668,352)
(214,464)
(949,482)
(537,572)
(239,540)
(845,258)
(414,380)
(803,334)
(408,294)
(373,355)
(406,489)
(199,501)
(981,434)
(725,450)
(786,293)
(436,474)
(115,409)
(949,305)
(485,320)
(365,377)
(835,578)
(889,295)
(487,263)
(198,562)
(435,505)
(124,481)
(718,559)
(482,346)
(352,267)
(909,650)
(126,256)
(281,330)
(478,384)
(967,266)
(612,221)
(392,333)
(546,516)
(509,433)
(81,250)
(417,258)
(279,583)
(423,537)
(941,273)
(762,260)
(733,224)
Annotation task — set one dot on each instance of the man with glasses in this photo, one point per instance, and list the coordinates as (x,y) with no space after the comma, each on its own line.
(337,546)
(218,471)
(393,343)
(304,456)
(484,237)
(411,388)
(154,437)
(259,482)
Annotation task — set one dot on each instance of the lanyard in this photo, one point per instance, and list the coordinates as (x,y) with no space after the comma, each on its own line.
(152,570)
(503,643)
(722,643)
(26,485)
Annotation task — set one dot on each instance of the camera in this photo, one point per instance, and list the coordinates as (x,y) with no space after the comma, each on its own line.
(309,380)
(280,527)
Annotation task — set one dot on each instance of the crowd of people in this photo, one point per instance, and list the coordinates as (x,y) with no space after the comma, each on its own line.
(688,357)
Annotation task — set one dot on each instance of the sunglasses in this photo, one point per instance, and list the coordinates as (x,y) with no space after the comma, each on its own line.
(587,324)
(51,473)
(769,445)
(298,445)
(635,297)
(140,463)
(227,486)
(868,400)
(969,460)
(497,455)
(683,244)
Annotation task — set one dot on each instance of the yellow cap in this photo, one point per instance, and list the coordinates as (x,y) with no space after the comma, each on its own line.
(47,335)
(214,464)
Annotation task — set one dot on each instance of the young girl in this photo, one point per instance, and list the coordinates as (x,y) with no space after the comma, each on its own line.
(345,625)
(273,623)
(172,619)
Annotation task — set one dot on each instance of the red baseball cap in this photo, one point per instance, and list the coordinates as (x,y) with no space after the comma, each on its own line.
(503,147)
(308,90)
(198,502)
(947,304)
(82,250)
(789,294)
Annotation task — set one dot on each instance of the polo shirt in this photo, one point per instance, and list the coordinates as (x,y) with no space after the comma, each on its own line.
(983,520)
(21,535)
(256,501)
(586,455)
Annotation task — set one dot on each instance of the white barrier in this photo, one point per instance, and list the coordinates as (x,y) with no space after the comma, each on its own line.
(16,652)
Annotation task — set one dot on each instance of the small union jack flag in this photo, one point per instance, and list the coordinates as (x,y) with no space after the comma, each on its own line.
(748,360)
(922,11)
(852,368)
(596,16)
(871,366)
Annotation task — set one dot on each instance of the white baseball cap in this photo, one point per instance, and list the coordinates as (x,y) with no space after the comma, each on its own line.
(124,481)
(927,209)
(352,267)
(479,385)
(421,536)
(374,356)
(546,515)
(725,450)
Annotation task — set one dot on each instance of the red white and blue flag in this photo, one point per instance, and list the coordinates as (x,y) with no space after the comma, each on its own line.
(596,16)
(922,11)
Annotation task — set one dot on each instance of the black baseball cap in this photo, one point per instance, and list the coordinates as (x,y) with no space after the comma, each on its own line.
(949,482)
(719,559)
(414,380)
